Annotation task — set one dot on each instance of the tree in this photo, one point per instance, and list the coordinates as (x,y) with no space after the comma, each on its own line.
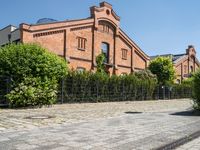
(163,68)
(35,73)
(100,64)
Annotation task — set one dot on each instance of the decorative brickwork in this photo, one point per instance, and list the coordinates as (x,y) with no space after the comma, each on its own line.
(47,33)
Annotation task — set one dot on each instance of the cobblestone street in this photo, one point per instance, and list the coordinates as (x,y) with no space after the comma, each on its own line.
(117,125)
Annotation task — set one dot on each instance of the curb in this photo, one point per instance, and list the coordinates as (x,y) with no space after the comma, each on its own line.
(179,142)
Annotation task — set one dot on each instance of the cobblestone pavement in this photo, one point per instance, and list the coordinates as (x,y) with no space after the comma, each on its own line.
(98,126)
(193,145)
(73,113)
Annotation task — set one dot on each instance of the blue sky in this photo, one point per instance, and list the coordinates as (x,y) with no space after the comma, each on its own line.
(157,26)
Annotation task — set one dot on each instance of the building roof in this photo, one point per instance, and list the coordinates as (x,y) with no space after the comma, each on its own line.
(175,58)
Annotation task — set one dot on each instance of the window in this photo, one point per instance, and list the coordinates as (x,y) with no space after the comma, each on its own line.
(80,69)
(124,53)
(105,51)
(185,68)
(106,28)
(81,43)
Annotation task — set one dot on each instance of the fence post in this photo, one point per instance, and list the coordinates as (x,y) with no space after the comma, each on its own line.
(163,92)
(97,90)
(141,92)
(62,93)
(123,96)
(8,80)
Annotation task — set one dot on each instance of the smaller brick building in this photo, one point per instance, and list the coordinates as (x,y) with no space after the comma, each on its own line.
(184,64)
(80,41)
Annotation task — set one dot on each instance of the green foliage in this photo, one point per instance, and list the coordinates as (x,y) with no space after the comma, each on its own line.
(97,87)
(196,90)
(163,68)
(33,92)
(26,63)
(25,60)
(188,81)
(149,80)
(100,64)
(183,90)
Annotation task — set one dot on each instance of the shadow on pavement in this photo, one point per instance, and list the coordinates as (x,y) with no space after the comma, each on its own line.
(132,112)
(187,113)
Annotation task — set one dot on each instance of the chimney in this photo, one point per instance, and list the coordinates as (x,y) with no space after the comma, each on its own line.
(105,4)
(190,50)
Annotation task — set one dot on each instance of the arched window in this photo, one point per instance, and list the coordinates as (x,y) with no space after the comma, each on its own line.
(105,51)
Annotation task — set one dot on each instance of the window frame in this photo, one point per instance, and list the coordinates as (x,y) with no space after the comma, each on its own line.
(81,43)
(124,54)
(185,69)
(107,51)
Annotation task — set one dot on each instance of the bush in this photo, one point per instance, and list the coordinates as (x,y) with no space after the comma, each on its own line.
(35,73)
(98,87)
(196,90)
(33,92)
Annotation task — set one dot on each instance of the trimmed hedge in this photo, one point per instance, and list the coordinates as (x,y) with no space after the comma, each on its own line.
(95,87)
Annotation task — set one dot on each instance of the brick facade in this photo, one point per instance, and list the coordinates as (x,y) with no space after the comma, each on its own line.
(80,41)
(184,64)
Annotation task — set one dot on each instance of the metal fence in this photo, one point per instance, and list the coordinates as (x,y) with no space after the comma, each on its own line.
(71,91)
(4,89)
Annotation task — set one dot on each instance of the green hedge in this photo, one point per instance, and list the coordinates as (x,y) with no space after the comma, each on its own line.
(95,87)
(196,90)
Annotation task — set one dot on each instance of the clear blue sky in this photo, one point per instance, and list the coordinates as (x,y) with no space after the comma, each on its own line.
(157,26)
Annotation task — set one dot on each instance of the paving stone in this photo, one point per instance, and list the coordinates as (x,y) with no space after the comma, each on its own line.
(99,126)
(193,145)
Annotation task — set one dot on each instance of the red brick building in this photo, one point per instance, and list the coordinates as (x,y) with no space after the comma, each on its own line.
(184,64)
(80,41)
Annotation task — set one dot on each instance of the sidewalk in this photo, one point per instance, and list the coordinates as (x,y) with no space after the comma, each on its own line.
(101,126)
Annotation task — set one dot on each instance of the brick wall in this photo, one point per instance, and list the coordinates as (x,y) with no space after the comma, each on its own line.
(62,38)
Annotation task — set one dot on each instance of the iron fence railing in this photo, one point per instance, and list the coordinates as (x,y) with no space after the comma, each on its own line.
(71,91)
(4,89)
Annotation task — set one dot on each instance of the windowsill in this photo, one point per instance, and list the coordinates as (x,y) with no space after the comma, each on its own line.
(108,64)
(124,58)
(81,49)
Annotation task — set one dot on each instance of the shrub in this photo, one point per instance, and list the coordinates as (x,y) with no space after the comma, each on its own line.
(163,68)
(196,90)
(33,92)
(98,87)
(34,71)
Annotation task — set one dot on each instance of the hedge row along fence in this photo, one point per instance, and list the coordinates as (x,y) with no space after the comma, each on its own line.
(89,87)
